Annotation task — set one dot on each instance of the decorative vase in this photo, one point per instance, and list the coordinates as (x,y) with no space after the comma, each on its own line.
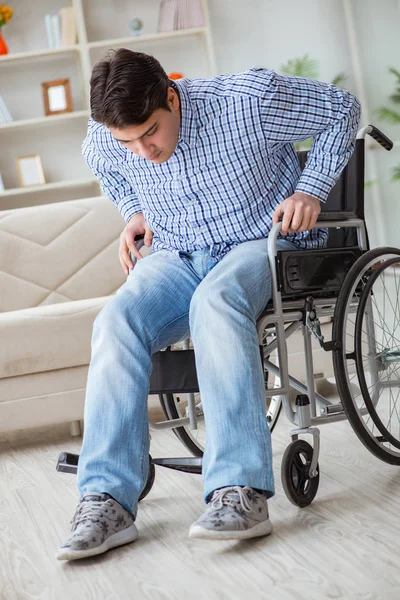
(3,45)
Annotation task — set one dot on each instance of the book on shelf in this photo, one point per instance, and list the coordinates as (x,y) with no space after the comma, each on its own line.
(5,116)
(180,14)
(56,22)
(49,31)
(190,14)
(68,26)
(61,28)
(167,16)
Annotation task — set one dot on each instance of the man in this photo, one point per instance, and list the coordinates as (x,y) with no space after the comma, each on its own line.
(202,168)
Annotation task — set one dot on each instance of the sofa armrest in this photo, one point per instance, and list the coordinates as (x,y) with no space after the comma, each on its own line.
(49,337)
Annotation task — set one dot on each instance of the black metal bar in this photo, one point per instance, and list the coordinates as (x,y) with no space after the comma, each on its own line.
(185,464)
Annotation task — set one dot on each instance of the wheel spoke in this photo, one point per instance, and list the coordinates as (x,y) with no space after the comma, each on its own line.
(298,463)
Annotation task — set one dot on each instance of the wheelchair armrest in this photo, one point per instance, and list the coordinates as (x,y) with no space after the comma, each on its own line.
(356,223)
(272,250)
(319,272)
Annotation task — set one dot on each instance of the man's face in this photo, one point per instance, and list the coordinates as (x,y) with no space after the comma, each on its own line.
(156,139)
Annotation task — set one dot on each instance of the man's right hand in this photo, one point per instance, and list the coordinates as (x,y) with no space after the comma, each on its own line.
(135,226)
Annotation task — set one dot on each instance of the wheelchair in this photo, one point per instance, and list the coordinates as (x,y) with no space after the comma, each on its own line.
(358,291)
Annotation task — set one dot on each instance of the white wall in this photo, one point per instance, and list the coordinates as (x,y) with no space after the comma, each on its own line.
(246,34)
(378,29)
(270,32)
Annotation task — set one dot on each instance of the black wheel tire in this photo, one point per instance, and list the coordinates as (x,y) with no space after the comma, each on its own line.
(299,487)
(272,423)
(168,405)
(339,362)
(387,435)
(150,479)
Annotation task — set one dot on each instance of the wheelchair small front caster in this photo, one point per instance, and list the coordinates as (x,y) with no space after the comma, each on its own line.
(299,486)
(150,479)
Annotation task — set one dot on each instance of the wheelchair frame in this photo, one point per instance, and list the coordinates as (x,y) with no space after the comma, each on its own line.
(286,317)
(285,311)
(305,418)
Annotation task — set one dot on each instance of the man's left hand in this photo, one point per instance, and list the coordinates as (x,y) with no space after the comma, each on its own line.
(299,213)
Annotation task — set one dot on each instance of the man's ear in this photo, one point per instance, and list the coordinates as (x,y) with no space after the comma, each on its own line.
(172,99)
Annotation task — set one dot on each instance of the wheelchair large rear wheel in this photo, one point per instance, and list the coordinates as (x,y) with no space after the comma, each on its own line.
(175,406)
(366,356)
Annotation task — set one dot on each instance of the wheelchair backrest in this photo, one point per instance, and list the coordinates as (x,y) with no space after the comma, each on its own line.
(346,199)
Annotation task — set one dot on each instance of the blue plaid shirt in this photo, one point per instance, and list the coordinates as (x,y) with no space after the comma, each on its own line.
(234,162)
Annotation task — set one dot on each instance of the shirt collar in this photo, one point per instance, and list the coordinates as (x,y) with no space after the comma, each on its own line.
(188,129)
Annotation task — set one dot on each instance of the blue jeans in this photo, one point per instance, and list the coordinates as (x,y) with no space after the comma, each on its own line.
(165,299)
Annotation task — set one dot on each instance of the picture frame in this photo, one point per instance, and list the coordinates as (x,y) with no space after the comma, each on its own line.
(30,170)
(2,188)
(57,97)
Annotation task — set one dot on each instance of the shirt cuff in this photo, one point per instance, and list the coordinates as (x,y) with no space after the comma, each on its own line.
(315,184)
(128,208)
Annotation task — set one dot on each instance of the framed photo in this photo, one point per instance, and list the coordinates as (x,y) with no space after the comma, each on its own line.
(30,170)
(57,97)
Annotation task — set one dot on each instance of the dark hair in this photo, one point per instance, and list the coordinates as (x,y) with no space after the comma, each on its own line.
(126,88)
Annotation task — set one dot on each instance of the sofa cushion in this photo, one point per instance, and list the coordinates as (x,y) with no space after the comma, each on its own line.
(48,337)
(43,384)
(59,252)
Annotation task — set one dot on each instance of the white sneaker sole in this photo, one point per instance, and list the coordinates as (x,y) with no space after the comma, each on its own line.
(117,539)
(263,528)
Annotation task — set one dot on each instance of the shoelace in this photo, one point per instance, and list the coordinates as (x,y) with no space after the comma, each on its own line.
(229,497)
(87,511)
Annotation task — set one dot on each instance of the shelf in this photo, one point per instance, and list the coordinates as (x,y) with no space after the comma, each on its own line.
(103,44)
(31,129)
(58,185)
(50,120)
(147,38)
(37,54)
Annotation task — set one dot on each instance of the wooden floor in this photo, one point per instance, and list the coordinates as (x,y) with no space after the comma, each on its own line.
(345,545)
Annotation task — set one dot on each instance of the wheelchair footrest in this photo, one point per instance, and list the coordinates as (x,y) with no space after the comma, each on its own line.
(185,464)
(67,463)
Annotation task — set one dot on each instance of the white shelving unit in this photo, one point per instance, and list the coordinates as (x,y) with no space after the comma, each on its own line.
(57,185)
(44,120)
(37,54)
(57,139)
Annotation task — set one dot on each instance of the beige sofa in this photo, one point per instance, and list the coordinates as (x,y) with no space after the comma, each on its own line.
(58,267)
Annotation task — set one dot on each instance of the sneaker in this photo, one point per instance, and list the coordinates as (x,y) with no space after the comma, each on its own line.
(233,513)
(99,523)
